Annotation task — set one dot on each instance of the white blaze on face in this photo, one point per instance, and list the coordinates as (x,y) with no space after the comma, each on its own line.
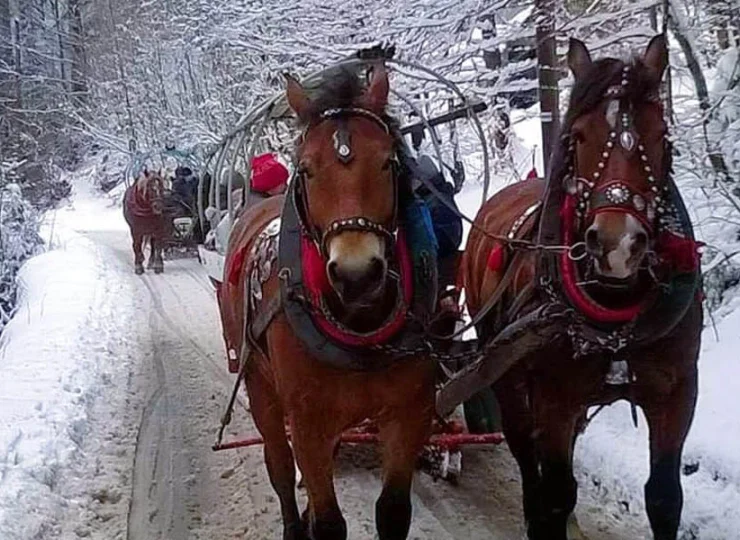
(621,263)
(612,111)
(354,251)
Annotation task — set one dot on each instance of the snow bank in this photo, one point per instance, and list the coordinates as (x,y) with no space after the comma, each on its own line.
(58,356)
(43,388)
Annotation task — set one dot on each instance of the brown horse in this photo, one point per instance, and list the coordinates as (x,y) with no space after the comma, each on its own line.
(612,173)
(350,188)
(143,209)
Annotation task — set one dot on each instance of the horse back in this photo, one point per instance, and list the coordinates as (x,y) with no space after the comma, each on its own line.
(497,217)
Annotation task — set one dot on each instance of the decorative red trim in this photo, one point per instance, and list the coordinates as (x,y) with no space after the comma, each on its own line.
(679,252)
(581,301)
(235,266)
(314,268)
(391,328)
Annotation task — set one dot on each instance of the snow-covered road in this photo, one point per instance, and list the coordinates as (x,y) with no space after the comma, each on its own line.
(123,382)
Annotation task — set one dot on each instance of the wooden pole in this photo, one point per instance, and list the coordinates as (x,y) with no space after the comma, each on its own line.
(548,77)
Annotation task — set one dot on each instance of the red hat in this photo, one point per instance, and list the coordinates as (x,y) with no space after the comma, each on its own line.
(267,173)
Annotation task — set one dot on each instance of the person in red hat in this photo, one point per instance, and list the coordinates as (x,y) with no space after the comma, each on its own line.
(269,177)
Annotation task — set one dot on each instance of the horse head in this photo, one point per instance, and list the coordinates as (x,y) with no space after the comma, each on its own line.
(347,180)
(618,157)
(151,188)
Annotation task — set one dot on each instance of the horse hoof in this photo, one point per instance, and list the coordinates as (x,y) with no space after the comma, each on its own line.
(158,270)
(295,531)
(138,270)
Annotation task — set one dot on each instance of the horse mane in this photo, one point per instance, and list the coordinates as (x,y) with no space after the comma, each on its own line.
(142,184)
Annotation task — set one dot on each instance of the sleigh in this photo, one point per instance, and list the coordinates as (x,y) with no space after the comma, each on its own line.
(181,170)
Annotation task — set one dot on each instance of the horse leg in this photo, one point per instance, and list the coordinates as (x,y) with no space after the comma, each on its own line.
(150,260)
(518,425)
(155,258)
(669,421)
(555,422)
(268,416)
(138,252)
(314,439)
(403,434)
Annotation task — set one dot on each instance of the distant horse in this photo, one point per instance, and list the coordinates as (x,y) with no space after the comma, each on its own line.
(144,211)
(346,192)
(636,285)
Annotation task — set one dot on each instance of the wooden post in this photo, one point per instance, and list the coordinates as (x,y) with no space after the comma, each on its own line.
(667,82)
(548,77)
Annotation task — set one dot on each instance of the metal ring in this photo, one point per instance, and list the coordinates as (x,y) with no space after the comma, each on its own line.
(573,248)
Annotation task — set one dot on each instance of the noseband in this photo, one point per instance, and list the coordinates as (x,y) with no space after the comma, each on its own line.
(616,194)
(343,150)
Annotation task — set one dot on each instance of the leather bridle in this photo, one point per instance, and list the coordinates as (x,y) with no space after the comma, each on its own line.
(616,194)
(344,153)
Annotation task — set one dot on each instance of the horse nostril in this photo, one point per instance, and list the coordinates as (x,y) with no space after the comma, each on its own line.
(641,241)
(333,270)
(592,242)
(376,270)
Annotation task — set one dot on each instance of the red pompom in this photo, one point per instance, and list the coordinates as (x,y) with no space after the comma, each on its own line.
(679,252)
(496,258)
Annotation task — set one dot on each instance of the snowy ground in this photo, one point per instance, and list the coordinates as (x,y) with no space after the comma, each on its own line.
(112,385)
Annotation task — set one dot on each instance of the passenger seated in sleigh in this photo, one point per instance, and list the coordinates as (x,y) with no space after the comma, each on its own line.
(269,178)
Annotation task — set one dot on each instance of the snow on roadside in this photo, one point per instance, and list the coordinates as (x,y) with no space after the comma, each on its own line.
(58,357)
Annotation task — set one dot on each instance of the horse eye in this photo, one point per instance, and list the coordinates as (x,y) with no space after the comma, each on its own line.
(578,137)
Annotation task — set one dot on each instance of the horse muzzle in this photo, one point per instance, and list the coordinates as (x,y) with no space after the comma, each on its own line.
(616,248)
(357,268)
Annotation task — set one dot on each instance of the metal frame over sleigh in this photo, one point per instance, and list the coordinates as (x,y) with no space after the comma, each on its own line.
(266,128)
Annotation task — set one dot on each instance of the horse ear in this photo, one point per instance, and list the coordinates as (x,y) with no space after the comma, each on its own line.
(297,98)
(656,55)
(579,59)
(376,96)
